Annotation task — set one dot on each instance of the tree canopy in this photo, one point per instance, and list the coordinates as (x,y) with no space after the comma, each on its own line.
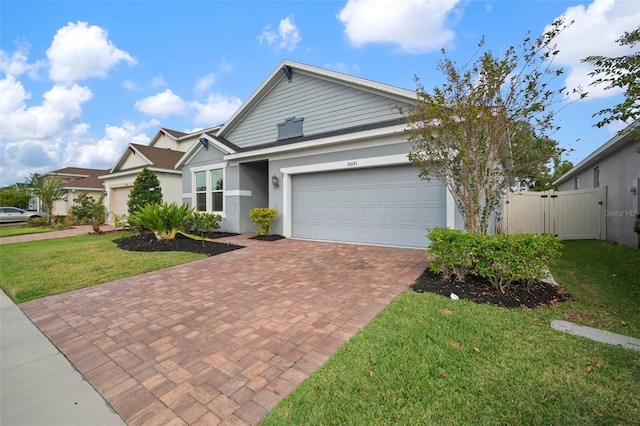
(146,190)
(619,72)
(48,189)
(463,131)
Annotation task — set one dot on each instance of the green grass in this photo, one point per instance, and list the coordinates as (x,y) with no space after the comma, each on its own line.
(41,268)
(429,360)
(15,230)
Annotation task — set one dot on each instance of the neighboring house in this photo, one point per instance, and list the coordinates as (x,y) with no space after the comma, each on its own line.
(329,152)
(616,165)
(76,180)
(160,156)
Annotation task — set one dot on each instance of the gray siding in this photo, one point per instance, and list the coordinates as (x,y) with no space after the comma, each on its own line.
(618,171)
(325,106)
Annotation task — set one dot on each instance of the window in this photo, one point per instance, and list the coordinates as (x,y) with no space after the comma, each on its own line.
(209,190)
(201,191)
(576,183)
(217,196)
(596,177)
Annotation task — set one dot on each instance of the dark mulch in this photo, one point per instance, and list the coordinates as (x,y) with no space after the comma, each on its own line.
(271,237)
(149,243)
(481,291)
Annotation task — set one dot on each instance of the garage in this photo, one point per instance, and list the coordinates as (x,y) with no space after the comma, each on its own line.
(381,205)
(119,199)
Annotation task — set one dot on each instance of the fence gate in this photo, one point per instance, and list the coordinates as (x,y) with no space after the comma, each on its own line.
(571,215)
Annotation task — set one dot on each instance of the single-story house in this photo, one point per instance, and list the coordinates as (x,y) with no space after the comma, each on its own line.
(329,152)
(160,156)
(616,165)
(75,181)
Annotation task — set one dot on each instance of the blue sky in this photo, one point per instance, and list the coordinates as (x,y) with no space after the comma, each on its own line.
(81,80)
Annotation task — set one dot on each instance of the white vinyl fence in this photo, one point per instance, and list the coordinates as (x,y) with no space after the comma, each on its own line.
(571,215)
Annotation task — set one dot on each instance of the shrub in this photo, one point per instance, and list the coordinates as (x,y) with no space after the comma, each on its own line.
(38,222)
(199,223)
(146,190)
(59,219)
(262,218)
(501,259)
(81,208)
(455,252)
(119,221)
(164,220)
(98,214)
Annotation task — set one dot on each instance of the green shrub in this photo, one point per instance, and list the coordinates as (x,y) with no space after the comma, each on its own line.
(262,218)
(501,259)
(119,221)
(146,190)
(636,226)
(59,219)
(38,222)
(455,252)
(164,220)
(81,208)
(199,223)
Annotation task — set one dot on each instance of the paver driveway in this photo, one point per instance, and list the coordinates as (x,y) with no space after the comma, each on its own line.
(223,339)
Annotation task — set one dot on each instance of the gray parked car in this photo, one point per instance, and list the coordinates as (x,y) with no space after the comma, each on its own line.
(14,214)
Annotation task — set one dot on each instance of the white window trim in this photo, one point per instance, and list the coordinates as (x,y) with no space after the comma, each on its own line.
(209,191)
(356,163)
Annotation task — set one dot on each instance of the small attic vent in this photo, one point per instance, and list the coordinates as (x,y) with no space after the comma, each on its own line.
(290,128)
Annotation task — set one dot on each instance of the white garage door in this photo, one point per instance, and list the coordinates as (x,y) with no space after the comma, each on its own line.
(118,202)
(383,205)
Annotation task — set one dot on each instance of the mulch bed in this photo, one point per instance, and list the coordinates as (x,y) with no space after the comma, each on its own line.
(271,237)
(481,291)
(149,243)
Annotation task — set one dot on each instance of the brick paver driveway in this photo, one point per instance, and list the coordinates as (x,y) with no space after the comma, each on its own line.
(223,339)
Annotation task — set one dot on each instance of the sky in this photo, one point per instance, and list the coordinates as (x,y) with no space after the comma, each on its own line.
(80,80)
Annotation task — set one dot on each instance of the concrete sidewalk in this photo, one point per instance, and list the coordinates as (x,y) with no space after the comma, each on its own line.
(38,385)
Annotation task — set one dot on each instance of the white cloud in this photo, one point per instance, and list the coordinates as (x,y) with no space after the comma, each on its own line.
(594,31)
(162,105)
(216,109)
(153,84)
(414,26)
(103,153)
(80,51)
(205,82)
(60,108)
(286,38)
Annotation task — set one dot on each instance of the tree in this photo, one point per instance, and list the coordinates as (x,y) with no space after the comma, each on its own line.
(15,196)
(48,189)
(146,190)
(462,131)
(82,208)
(536,160)
(622,72)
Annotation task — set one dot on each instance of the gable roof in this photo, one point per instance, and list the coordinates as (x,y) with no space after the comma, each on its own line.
(74,171)
(219,143)
(285,68)
(176,134)
(161,158)
(604,150)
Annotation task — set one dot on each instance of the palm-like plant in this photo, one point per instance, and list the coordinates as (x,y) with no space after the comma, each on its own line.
(164,220)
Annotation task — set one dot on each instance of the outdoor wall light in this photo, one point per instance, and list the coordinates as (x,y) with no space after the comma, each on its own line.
(275,181)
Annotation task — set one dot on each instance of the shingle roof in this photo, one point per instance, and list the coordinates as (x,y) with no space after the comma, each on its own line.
(91,182)
(161,158)
(75,171)
(174,133)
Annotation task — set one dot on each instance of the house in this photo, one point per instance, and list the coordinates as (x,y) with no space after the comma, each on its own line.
(329,152)
(616,165)
(161,156)
(75,181)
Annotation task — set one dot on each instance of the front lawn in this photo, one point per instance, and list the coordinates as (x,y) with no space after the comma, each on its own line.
(429,360)
(41,268)
(15,230)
